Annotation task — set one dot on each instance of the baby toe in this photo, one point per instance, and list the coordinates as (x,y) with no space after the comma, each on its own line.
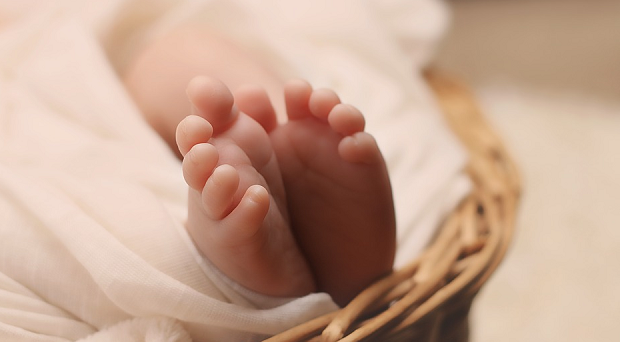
(321,102)
(219,191)
(346,119)
(254,101)
(198,164)
(246,219)
(212,100)
(296,96)
(360,147)
(191,131)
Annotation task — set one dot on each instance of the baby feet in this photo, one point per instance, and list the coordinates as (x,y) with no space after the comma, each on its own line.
(237,208)
(338,190)
(338,194)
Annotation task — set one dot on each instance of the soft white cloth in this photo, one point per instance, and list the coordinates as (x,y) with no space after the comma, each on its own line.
(92,202)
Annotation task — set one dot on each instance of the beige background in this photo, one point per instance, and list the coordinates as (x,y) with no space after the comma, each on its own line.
(547,74)
(569,44)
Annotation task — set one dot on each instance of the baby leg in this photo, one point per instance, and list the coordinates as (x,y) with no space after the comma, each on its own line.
(158,75)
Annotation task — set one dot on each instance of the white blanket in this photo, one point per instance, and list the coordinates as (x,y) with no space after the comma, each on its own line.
(92,202)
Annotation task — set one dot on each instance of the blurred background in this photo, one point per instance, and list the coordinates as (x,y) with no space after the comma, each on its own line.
(547,73)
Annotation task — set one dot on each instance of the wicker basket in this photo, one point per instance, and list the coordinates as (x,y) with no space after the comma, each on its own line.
(429,299)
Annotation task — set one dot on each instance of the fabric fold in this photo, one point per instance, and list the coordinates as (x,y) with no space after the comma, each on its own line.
(93,203)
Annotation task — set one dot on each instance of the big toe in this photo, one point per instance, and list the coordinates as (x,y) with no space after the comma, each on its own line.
(296,97)
(212,100)
(254,101)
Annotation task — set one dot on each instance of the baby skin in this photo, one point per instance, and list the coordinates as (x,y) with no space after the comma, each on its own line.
(288,209)
(284,209)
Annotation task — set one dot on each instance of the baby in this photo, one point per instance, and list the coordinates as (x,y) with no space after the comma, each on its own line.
(284,206)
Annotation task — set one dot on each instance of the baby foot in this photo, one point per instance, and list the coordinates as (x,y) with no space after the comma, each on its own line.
(237,209)
(338,190)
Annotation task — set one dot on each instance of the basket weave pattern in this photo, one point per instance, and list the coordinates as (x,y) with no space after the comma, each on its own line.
(429,299)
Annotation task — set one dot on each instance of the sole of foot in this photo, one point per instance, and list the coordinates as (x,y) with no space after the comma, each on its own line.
(338,190)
